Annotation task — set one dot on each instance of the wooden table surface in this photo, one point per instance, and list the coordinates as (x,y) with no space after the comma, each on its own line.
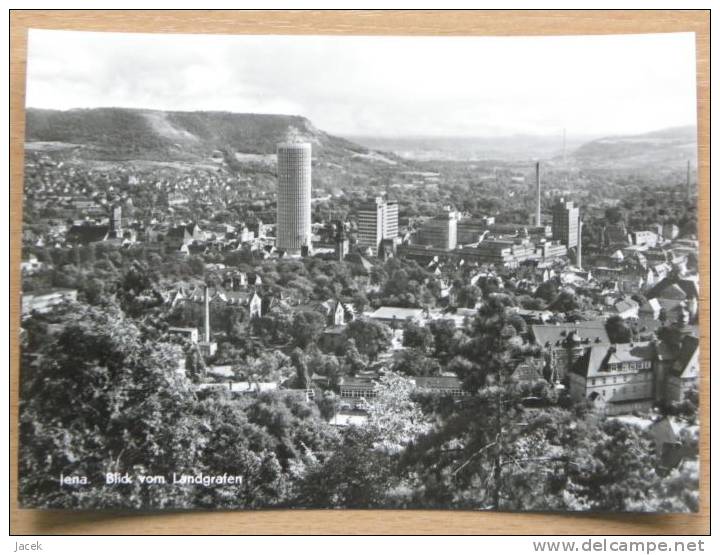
(361,23)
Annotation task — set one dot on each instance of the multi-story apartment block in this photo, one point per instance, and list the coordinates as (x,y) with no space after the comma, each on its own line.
(566,223)
(376,220)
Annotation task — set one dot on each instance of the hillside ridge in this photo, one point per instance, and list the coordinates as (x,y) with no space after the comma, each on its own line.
(672,146)
(129,133)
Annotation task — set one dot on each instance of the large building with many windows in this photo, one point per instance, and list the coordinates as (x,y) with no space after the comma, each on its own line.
(294,230)
(390,220)
(439,232)
(619,377)
(376,220)
(566,223)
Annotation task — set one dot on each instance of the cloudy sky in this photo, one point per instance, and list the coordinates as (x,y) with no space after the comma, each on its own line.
(386,86)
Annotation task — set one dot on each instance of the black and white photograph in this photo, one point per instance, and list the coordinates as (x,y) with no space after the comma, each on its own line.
(360,272)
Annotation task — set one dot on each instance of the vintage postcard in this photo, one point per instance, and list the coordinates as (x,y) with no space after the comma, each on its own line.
(360,272)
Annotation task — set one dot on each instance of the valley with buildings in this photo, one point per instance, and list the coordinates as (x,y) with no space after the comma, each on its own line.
(214,294)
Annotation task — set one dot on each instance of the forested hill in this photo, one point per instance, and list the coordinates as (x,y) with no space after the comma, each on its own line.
(671,147)
(123,133)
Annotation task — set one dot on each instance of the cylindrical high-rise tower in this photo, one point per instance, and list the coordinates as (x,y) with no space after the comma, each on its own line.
(293,196)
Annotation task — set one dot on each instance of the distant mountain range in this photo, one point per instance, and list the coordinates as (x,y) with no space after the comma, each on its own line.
(126,134)
(664,148)
(505,148)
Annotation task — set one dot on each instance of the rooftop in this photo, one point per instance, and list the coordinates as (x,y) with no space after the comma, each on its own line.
(591,330)
(396,312)
(438,382)
(596,360)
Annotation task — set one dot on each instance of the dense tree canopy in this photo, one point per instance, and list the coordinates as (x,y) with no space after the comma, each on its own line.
(105,401)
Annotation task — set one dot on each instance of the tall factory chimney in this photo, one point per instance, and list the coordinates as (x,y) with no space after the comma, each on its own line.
(116,219)
(206,312)
(578,262)
(689,190)
(538,217)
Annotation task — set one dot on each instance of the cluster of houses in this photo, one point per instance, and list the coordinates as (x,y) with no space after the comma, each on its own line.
(182,239)
(646,288)
(618,378)
(644,277)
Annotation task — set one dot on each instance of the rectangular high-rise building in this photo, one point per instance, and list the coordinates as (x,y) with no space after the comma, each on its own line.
(294,229)
(390,220)
(376,220)
(566,223)
(439,232)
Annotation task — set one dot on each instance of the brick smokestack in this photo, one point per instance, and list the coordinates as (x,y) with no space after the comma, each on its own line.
(538,216)
(206,313)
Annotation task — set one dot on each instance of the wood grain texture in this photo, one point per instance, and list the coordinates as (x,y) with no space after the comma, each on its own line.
(360,23)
